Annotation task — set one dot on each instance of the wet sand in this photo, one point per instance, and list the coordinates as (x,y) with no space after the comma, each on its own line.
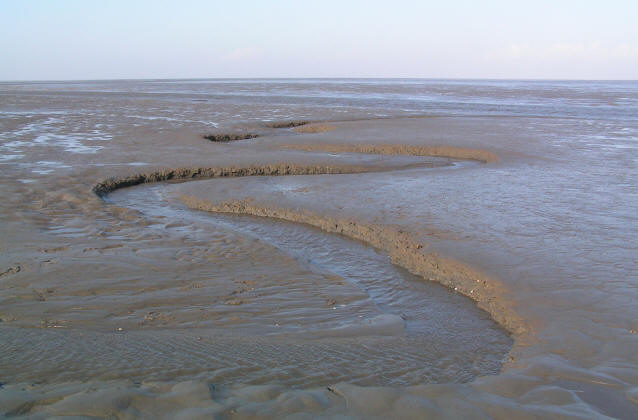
(75,264)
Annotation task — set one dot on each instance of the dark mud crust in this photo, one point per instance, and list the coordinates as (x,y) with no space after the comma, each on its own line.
(183,174)
(288,124)
(223,138)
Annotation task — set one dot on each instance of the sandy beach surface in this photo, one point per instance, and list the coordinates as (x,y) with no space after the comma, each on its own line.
(353,249)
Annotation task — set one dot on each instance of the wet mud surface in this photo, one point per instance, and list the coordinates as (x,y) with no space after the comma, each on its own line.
(317,272)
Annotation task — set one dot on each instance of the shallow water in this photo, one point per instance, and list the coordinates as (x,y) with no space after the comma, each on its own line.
(554,222)
(344,315)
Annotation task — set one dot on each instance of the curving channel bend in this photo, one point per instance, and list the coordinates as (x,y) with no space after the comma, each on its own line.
(257,303)
(389,328)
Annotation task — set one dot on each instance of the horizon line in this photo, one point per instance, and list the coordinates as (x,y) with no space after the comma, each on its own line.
(125,79)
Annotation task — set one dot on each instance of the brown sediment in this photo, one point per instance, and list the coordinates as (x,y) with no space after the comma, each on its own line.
(11,270)
(182,174)
(287,124)
(222,138)
(391,149)
(402,249)
(314,128)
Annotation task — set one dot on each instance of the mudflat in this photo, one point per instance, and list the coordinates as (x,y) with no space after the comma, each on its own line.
(380,259)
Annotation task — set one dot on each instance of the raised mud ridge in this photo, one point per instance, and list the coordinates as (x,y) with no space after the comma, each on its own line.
(223,138)
(390,149)
(314,128)
(184,174)
(403,249)
(288,124)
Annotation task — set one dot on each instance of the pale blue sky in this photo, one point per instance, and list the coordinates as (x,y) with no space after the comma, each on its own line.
(84,39)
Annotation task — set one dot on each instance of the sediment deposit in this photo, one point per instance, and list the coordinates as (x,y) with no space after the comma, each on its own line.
(131,301)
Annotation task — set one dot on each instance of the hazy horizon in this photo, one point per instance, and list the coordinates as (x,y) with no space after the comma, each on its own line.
(71,40)
(450,79)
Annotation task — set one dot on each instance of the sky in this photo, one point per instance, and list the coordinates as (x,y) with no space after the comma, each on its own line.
(113,39)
